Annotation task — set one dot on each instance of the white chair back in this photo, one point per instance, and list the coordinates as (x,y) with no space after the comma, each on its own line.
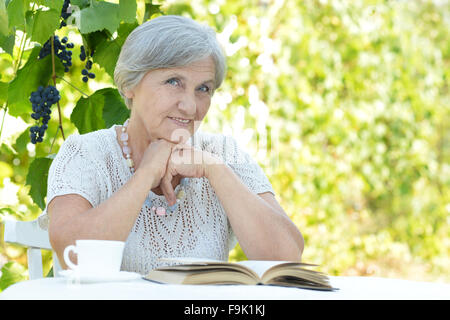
(34,236)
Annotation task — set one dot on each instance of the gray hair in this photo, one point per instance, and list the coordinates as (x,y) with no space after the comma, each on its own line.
(166,42)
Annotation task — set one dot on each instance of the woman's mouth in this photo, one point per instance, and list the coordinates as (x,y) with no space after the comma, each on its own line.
(180,121)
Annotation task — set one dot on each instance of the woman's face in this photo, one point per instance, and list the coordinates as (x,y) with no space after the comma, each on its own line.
(170,103)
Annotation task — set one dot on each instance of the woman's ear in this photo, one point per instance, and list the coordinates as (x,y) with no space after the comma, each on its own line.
(129,94)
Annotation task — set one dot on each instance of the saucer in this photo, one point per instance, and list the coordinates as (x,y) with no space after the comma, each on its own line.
(92,278)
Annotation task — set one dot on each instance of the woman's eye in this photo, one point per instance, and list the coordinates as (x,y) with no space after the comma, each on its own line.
(204,88)
(173,81)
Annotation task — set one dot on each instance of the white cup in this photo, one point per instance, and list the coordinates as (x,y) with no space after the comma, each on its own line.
(95,257)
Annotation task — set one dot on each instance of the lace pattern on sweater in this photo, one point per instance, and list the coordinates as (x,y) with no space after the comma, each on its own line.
(92,165)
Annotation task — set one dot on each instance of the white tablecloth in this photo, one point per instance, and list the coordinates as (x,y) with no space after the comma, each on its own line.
(354,288)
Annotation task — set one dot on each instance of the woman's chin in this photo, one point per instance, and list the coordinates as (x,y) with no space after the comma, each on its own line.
(179,135)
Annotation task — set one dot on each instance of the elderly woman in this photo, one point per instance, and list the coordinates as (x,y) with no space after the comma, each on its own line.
(156,182)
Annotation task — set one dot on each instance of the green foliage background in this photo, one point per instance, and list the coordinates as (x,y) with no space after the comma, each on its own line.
(345,104)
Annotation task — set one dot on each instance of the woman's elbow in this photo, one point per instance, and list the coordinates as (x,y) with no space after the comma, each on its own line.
(301,247)
(298,245)
(57,239)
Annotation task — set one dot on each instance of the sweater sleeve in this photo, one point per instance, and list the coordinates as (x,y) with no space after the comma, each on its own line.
(72,172)
(245,167)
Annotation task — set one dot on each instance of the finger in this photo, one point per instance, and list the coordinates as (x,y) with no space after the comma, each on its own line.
(167,145)
(167,188)
(181,155)
(181,147)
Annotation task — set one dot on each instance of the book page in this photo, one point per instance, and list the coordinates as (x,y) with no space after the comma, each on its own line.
(260,266)
(192,263)
(255,267)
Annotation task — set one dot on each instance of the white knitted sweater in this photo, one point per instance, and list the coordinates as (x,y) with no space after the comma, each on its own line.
(92,165)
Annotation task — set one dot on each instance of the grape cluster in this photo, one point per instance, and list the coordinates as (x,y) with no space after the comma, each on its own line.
(41,100)
(85,72)
(64,13)
(60,49)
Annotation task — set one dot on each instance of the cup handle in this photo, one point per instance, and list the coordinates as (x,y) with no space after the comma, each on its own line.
(69,263)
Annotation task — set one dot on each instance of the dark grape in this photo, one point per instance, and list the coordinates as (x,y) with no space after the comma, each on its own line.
(64,55)
(85,72)
(82,53)
(64,13)
(41,101)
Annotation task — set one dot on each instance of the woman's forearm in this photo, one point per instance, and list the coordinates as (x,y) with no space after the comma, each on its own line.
(117,215)
(263,232)
(111,220)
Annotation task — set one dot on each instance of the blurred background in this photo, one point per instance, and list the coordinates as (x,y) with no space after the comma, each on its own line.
(345,105)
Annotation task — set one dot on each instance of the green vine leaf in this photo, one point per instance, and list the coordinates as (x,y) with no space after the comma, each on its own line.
(100,110)
(107,52)
(114,110)
(16,14)
(106,55)
(7,43)
(45,23)
(3,92)
(87,114)
(127,10)
(4,23)
(151,9)
(37,180)
(11,273)
(99,16)
(54,4)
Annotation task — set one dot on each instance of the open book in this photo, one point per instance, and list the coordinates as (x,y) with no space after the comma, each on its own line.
(252,272)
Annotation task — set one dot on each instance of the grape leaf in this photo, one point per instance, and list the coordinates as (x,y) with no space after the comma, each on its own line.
(107,52)
(4,24)
(99,16)
(33,74)
(7,43)
(100,110)
(127,10)
(11,273)
(79,3)
(16,14)
(22,140)
(124,30)
(106,55)
(54,4)
(87,114)
(37,180)
(94,39)
(3,92)
(114,111)
(7,149)
(45,23)
(151,9)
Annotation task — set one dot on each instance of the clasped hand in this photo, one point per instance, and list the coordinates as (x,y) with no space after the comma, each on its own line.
(164,160)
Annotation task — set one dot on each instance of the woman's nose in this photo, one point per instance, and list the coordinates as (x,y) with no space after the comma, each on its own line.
(188,105)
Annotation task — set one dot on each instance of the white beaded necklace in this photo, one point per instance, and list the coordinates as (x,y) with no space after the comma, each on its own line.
(160,211)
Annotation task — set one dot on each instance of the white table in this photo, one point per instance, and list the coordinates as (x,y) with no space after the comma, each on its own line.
(350,288)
